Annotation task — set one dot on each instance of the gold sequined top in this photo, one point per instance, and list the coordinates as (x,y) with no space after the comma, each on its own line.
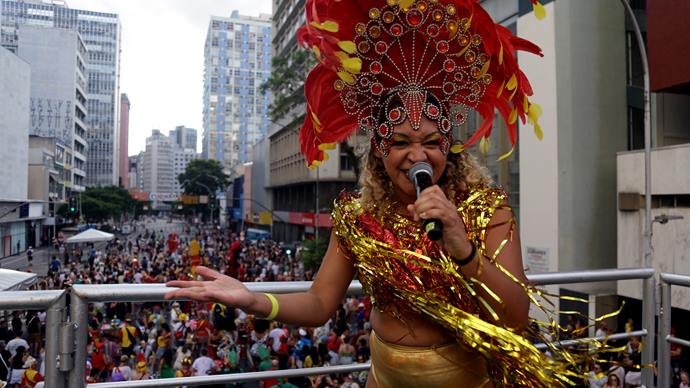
(399,266)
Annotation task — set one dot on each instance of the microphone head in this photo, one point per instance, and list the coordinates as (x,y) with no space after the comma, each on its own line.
(419,167)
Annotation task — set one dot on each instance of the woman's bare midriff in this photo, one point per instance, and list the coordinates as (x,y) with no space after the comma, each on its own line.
(412,330)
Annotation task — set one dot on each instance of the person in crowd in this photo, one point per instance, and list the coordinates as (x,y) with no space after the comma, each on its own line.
(613,381)
(17,362)
(346,352)
(597,376)
(128,334)
(203,364)
(141,372)
(31,376)
(121,371)
(684,380)
(16,343)
(185,369)
(165,366)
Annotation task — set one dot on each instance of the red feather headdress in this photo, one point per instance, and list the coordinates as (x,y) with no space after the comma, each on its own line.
(370,50)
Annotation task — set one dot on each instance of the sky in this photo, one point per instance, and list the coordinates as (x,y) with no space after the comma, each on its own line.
(162,62)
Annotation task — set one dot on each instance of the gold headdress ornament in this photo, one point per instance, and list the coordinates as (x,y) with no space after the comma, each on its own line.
(388,61)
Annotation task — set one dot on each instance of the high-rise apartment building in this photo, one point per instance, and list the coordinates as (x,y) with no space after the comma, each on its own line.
(181,158)
(158,167)
(124,140)
(132,175)
(184,137)
(15,95)
(158,164)
(58,99)
(100,33)
(237,60)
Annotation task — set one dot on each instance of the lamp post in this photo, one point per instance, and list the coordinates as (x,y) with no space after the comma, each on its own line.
(648,351)
(223,189)
(208,190)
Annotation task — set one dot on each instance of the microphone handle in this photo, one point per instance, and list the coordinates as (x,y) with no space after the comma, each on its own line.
(433,228)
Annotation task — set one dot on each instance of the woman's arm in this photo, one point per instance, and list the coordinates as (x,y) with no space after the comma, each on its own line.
(514,309)
(311,308)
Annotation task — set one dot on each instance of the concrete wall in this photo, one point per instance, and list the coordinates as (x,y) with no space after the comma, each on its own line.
(39,176)
(52,54)
(567,181)
(671,241)
(671,118)
(15,89)
(260,172)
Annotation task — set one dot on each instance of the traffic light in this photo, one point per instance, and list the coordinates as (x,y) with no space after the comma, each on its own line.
(72,208)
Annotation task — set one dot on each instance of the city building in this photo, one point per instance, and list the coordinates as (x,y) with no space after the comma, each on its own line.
(100,33)
(46,181)
(249,204)
(579,184)
(132,173)
(181,158)
(667,28)
(58,99)
(17,231)
(15,99)
(301,199)
(237,60)
(139,170)
(157,169)
(184,137)
(124,141)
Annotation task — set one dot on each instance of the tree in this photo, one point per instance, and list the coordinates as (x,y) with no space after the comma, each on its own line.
(203,177)
(102,203)
(313,252)
(287,83)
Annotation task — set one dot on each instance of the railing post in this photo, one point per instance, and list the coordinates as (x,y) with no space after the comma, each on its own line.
(55,315)
(78,317)
(664,331)
(648,314)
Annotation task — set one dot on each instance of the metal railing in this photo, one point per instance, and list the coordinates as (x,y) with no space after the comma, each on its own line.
(665,337)
(58,353)
(71,334)
(82,295)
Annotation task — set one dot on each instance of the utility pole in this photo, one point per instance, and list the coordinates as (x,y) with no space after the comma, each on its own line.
(316,218)
(648,351)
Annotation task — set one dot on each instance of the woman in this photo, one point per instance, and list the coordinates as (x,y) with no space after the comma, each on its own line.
(445,310)
(612,381)
(142,372)
(346,352)
(165,365)
(17,366)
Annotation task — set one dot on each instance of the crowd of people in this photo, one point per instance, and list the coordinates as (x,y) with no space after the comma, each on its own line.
(134,341)
(175,339)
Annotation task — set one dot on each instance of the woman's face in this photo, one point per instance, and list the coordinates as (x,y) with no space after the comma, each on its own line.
(613,381)
(409,147)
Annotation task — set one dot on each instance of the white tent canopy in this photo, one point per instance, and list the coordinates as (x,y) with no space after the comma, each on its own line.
(91,235)
(11,280)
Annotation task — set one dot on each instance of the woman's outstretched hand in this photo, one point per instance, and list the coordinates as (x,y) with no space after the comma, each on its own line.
(215,287)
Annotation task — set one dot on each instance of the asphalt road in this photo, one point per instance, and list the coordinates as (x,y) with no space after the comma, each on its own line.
(42,256)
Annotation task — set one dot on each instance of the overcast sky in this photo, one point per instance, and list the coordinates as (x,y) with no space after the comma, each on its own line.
(162,63)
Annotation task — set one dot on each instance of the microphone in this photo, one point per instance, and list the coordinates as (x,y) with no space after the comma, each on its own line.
(420,174)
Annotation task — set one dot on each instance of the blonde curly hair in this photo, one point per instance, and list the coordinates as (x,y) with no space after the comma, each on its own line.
(463,170)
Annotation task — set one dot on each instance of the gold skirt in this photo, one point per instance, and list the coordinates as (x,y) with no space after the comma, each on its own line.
(451,365)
